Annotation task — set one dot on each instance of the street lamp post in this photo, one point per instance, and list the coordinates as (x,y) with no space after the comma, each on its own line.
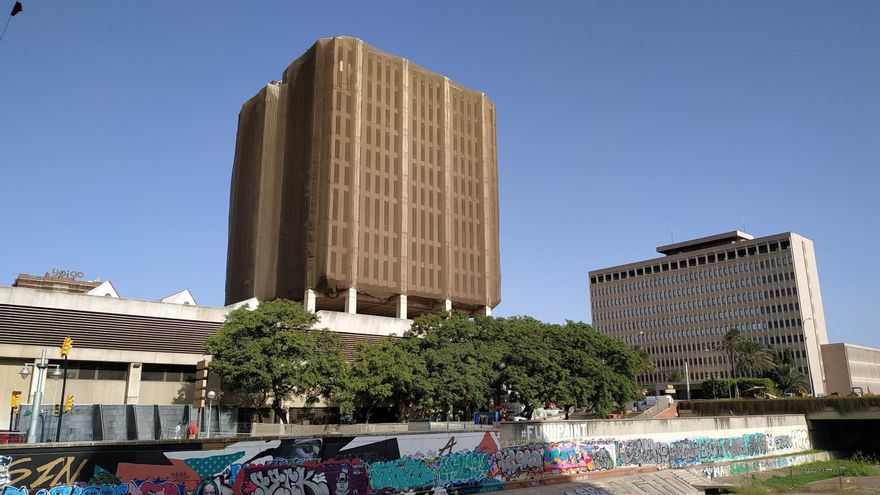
(37,402)
(687,379)
(211,396)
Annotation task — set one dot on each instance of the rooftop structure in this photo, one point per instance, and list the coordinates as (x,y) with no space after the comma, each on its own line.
(58,284)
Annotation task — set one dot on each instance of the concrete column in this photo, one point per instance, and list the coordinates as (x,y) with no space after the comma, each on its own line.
(133,383)
(403,260)
(487,240)
(447,305)
(310,301)
(448,200)
(485,311)
(355,252)
(401,306)
(351,299)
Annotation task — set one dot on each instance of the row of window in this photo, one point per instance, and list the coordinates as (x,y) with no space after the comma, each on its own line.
(699,304)
(695,290)
(711,361)
(708,353)
(697,376)
(100,370)
(692,276)
(665,336)
(710,258)
(686,319)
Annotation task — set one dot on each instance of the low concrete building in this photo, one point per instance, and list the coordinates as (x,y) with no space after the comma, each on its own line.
(128,351)
(848,366)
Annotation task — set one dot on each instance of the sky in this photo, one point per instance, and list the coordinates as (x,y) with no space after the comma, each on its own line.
(622,126)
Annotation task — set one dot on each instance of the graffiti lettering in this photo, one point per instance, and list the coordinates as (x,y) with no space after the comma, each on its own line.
(155,487)
(587,490)
(514,461)
(447,449)
(602,460)
(4,469)
(400,475)
(294,480)
(463,468)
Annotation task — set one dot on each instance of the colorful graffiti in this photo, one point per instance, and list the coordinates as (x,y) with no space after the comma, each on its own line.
(435,463)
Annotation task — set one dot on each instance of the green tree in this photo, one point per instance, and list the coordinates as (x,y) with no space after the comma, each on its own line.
(754,359)
(675,376)
(387,373)
(274,354)
(461,362)
(571,365)
(789,379)
(528,373)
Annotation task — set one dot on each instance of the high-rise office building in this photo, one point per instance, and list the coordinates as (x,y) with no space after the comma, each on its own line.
(678,307)
(365,183)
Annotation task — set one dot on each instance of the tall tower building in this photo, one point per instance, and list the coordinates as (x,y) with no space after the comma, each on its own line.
(365,183)
(678,307)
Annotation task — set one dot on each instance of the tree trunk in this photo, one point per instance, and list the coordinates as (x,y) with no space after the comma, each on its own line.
(280,412)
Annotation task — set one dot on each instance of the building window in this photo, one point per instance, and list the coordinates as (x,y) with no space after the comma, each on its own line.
(95,370)
(168,373)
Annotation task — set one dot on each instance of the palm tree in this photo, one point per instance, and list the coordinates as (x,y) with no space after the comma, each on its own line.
(789,380)
(754,358)
(730,344)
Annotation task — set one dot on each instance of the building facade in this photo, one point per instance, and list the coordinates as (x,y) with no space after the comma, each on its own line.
(678,307)
(849,367)
(130,351)
(364,183)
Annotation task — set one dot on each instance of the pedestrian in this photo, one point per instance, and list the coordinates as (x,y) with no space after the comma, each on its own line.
(192,431)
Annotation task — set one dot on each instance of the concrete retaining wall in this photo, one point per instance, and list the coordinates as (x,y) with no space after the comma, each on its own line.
(517,454)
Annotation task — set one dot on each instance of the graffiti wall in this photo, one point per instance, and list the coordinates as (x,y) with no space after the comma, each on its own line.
(435,463)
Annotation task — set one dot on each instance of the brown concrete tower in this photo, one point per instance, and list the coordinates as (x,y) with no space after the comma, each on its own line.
(365,183)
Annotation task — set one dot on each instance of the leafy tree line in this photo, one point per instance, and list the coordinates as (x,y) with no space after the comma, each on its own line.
(447,363)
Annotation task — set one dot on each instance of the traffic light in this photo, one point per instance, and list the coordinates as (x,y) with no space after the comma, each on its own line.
(56,409)
(69,404)
(16,398)
(65,347)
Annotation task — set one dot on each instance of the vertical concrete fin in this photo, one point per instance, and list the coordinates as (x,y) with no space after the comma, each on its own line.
(447,190)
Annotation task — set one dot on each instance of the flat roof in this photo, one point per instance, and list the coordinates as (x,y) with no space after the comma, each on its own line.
(687,253)
(704,242)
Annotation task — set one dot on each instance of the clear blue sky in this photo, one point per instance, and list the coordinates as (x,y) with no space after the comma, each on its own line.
(620,125)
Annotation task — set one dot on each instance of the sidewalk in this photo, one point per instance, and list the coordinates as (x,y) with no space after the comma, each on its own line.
(665,482)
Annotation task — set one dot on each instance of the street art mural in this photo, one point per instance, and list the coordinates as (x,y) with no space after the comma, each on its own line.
(410,464)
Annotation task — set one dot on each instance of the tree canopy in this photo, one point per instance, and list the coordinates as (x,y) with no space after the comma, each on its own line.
(273,354)
(456,364)
(448,364)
